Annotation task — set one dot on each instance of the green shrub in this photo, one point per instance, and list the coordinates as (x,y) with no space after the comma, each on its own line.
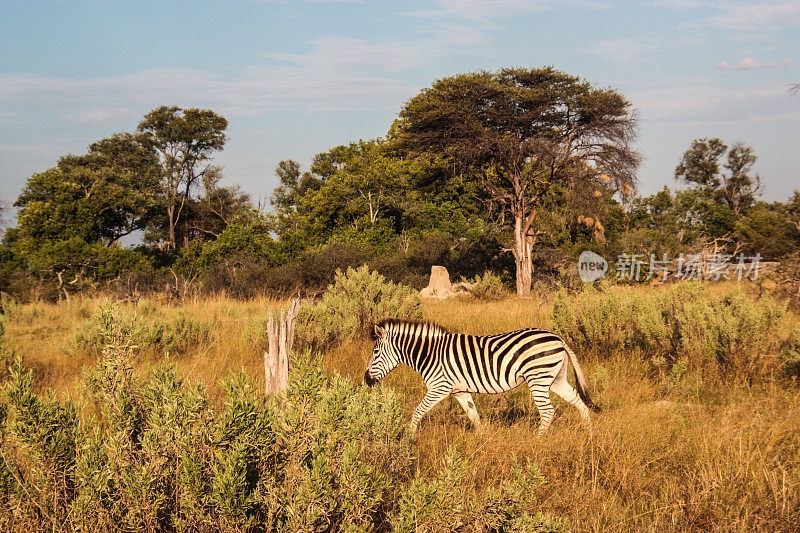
(175,336)
(731,333)
(148,452)
(489,286)
(156,456)
(357,299)
(445,504)
(46,434)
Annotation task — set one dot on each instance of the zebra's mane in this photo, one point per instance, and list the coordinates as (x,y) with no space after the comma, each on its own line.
(411,326)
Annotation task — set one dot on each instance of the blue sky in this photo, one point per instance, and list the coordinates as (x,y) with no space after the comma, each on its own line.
(295,78)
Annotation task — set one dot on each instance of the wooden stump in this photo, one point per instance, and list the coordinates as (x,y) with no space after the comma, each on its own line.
(276,360)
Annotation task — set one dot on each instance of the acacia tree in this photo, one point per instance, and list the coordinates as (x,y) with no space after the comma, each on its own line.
(519,132)
(184,139)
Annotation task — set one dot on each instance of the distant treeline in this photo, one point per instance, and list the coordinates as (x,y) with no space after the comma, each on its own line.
(514,172)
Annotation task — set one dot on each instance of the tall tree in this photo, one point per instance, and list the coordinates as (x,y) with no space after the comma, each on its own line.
(185,141)
(700,166)
(700,163)
(97,198)
(519,132)
(373,178)
(740,186)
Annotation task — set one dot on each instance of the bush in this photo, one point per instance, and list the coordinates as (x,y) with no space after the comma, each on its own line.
(135,283)
(312,271)
(412,267)
(488,287)
(176,336)
(149,452)
(730,333)
(481,250)
(442,504)
(352,304)
(158,457)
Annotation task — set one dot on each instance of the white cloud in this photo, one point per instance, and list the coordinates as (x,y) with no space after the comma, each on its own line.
(471,22)
(628,50)
(336,53)
(484,10)
(624,50)
(681,4)
(757,16)
(749,63)
(336,73)
(709,103)
(100,116)
(249,91)
(746,19)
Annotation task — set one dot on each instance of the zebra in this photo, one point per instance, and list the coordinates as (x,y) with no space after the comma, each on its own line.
(459,364)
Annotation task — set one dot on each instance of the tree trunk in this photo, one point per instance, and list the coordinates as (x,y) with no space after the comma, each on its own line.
(171,217)
(522,254)
(276,359)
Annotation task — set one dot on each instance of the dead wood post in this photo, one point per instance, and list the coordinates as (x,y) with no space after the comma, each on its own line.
(276,359)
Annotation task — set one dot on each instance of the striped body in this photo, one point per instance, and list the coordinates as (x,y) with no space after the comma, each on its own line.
(462,364)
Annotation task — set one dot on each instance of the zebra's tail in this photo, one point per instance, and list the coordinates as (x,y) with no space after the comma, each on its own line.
(580,380)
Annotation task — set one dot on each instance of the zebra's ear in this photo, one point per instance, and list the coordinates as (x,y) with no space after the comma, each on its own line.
(379,331)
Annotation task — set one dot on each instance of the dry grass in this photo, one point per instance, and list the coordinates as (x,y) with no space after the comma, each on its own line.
(653,466)
(44,335)
(666,455)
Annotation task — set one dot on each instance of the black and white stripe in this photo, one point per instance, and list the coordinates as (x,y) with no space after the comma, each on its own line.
(462,364)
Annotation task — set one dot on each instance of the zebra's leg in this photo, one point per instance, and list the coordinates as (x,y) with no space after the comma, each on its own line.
(540,390)
(562,387)
(429,401)
(466,402)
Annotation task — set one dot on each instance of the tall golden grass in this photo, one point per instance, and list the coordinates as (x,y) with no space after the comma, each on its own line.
(669,453)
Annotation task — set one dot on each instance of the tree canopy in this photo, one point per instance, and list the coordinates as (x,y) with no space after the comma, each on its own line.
(700,166)
(530,161)
(184,140)
(519,132)
(98,197)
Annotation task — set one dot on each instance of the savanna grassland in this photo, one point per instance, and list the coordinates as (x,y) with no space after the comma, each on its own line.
(699,429)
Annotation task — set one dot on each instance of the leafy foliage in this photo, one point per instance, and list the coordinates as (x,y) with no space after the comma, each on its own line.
(488,287)
(440,504)
(97,198)
(520,132)
(183,140)
(175,336)
(700,166)
(729,333)
(465,170)
(150,452)
(357,299)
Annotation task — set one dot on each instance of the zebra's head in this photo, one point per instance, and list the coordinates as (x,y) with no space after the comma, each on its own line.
(385,356)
